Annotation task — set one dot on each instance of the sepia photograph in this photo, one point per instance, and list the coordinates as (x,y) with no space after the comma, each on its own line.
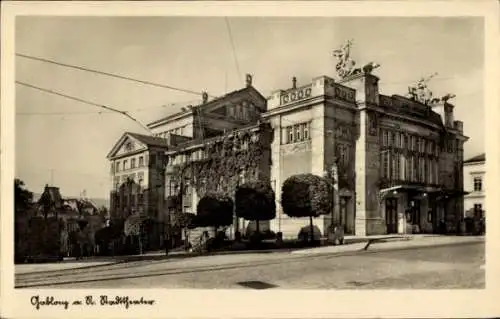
(248,153)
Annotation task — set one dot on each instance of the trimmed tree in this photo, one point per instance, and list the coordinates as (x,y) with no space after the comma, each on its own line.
(307,195)
(255,201)
(214,210)
(184,221)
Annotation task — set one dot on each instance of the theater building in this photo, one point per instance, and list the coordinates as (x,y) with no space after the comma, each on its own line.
(395,161)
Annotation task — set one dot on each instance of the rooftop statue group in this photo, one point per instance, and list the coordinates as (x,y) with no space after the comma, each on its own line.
(346,66)
(419,92)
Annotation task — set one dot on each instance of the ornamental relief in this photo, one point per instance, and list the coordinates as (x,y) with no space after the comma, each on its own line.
(296,147)
(343,131)
(372,124)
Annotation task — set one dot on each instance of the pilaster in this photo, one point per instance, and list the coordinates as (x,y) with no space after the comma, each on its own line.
(369,220)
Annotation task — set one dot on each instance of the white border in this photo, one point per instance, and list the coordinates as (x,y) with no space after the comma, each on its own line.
(262,304)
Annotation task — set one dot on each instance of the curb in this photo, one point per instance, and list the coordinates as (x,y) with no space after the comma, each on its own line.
(382,249)
(461,243)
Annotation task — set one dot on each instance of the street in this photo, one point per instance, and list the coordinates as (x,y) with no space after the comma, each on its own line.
(441,267)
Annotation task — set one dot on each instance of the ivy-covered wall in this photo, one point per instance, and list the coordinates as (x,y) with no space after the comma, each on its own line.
(220,164)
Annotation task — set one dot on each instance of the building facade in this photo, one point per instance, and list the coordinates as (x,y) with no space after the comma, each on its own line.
(474,172)
(395,161)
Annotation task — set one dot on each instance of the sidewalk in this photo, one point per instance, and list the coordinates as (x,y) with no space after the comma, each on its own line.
(385,243)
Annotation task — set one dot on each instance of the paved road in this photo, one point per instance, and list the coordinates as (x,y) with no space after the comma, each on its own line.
(444,267)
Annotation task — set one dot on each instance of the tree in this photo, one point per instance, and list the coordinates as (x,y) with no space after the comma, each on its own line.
(255,201)
(103,212)
(183,221)
(307,195)
(23,198)
(214,210)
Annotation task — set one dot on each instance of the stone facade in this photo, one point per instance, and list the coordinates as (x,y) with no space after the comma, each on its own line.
(396,163)
(474,183)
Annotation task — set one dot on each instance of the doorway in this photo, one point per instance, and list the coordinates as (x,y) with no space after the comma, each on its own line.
(391,215)
(415,215)
(346,219)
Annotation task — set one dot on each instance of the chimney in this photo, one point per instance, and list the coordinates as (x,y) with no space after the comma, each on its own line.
(249,80)
(294,82)
(205,97)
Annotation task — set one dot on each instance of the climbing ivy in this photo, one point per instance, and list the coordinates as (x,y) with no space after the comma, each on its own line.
(225,160)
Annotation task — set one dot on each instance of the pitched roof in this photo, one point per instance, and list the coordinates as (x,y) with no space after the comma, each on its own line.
(211,102)
(149,140)
(477,158)
(51,196)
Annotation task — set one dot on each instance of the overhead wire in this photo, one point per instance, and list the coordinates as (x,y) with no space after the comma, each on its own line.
(118,76)
(126,114)
(235,56)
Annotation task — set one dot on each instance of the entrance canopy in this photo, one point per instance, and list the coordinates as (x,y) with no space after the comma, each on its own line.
(421,190)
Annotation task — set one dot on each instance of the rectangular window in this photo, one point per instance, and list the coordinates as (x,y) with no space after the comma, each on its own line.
(289,131)
(141,161)
(132,163)
(398,139)
(343,154)
(402,167)
(407,169)
(395,167)
(414,169)
(385,165)
(298,136)
(478,184)
(421,169)
(427,171)
(436,172)
(306,131)
(302,128)
(385,138)
(125,162)
(117,166)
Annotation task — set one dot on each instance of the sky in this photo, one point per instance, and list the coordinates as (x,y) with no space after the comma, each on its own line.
(64,142)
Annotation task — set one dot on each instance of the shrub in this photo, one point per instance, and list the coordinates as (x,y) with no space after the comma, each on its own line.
(214,210)
(307,195)
(255,201)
